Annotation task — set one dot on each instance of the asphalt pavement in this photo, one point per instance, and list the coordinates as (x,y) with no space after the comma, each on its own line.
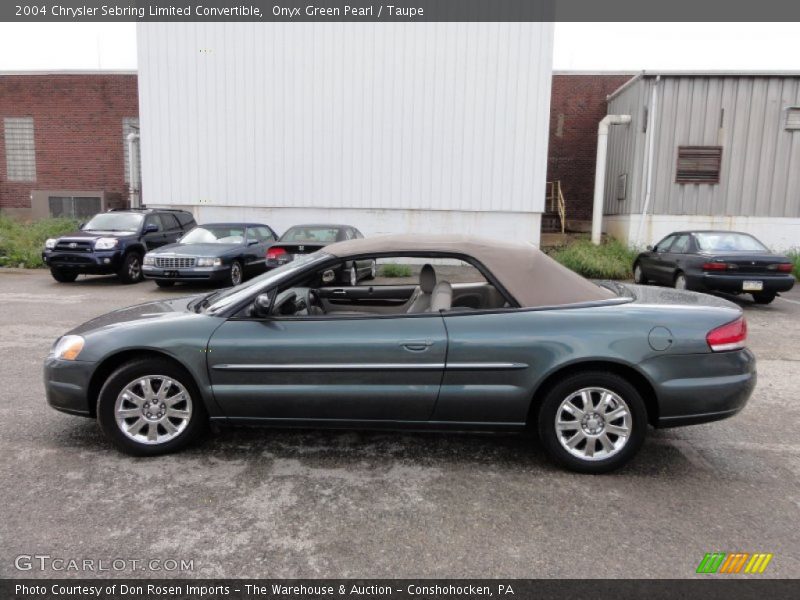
(302,503)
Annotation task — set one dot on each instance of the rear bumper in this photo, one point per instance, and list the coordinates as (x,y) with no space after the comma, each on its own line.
(733,283)
(700,388)
(66,383)
(205,274)
(97,263)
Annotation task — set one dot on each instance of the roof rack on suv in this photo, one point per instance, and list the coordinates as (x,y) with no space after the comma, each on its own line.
(147,209)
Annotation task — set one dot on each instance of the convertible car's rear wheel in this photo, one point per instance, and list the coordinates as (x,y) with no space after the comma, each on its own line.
(592,422)
(149,407)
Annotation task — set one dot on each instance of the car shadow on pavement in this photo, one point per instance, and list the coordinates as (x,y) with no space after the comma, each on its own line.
(358,449)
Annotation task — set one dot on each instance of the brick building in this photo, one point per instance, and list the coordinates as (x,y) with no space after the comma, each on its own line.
(577,104)
(63,148)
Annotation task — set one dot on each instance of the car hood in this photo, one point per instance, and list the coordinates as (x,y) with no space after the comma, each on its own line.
(94,234)
(160,309)
(204,250)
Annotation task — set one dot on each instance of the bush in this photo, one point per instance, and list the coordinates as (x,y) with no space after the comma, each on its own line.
(392,270)
(22,243)
(795,256)
(611,260)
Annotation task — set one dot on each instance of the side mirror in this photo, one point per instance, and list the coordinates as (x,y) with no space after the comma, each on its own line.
(328,276)
(649,247)
(262,304)
(150,228)
(82,225)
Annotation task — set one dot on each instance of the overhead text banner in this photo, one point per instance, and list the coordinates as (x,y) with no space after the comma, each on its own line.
(400,10)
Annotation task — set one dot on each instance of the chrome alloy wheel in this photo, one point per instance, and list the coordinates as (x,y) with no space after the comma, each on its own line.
(236,274)
(353,276)
(593,423)
(153,409)
(134,268)
(373,270)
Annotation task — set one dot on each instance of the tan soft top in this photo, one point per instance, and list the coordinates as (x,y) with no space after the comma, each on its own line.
(529,275)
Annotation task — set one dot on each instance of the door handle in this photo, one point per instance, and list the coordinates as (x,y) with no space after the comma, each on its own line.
(339,292)
(416,345)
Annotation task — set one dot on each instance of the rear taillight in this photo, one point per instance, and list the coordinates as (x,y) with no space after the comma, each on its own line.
(275,253)
(785,267)
(730,336)
(715,266)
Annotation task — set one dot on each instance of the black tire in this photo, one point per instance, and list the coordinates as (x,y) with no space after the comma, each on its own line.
(63,276)
(164,284)
(638,274)
(236,275)
(129,373)
(131,269)
(562,391)
(373,271)
(764,297)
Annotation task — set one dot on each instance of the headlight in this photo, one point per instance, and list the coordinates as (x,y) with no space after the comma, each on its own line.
(50,243)
(149,259)
(209,262)
(106,243)
(68,347)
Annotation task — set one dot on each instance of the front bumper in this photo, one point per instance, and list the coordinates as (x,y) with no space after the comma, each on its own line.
(66,383)
(700,388)
(734,283)
(98,262)
(206,274)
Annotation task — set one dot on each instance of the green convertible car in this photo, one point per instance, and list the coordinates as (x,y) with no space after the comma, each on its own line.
(453,333)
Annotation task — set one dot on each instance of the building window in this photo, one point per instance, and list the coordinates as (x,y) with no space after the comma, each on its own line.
(130,125)
(793,117)
(73,207)
(698,164)
(20,151)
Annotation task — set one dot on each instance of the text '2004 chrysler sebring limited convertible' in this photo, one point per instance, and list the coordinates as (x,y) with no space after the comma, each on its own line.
(528,344)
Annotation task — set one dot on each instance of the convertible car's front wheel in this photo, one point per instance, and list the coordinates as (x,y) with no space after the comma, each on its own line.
(149,407)
(592,422)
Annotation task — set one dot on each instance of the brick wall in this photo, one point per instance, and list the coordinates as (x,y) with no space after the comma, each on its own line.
(577,105)
(77,131)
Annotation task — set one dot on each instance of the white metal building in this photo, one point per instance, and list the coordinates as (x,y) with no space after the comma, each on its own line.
(391,127)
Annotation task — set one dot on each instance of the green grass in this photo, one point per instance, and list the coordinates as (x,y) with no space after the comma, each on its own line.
(21,244)
(392,270)
(795,256)
(611,260)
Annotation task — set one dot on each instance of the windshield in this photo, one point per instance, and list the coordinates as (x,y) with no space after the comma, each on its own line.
(311,234)
(115,222)
(231,296)
(728,242)
(214,234)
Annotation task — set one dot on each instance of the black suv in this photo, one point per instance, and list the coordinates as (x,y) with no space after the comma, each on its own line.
(115,242)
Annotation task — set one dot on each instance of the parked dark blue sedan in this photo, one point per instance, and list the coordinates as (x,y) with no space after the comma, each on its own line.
(218,253)
(725,261)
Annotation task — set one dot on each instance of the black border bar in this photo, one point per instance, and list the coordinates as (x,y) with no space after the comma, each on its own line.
(399,10)
(712,587)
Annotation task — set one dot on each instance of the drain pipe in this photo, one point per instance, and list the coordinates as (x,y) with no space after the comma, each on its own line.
(133,174)
(651,135)
(600,172)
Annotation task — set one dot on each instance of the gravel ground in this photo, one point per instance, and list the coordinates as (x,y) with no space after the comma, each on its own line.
(288,503)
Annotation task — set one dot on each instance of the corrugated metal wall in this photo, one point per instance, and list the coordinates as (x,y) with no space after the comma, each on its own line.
(449,116)
(745,115)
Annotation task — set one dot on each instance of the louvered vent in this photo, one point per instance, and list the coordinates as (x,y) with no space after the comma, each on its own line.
(698,164)
(793,117)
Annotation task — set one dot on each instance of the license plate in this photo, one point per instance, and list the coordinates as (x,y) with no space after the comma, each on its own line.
(171,273)
(752,286)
